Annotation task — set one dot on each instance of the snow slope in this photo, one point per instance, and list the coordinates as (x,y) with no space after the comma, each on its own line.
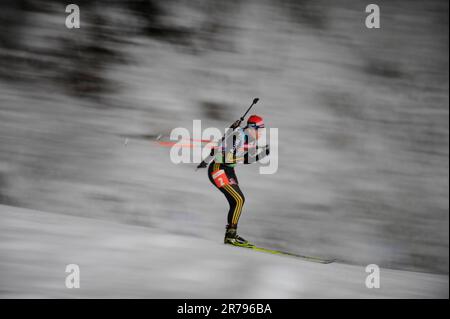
(362,114)
(119,260)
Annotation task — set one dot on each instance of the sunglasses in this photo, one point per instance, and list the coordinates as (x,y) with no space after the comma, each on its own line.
(256,126)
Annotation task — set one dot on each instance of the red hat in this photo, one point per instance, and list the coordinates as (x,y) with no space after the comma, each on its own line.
(255,121)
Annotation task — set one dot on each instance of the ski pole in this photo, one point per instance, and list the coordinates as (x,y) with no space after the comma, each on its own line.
(255,100)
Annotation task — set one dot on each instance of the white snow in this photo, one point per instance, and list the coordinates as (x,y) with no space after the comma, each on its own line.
(125,261)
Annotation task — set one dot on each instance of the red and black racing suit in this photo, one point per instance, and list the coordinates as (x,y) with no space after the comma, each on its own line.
(241,152)
(231,191)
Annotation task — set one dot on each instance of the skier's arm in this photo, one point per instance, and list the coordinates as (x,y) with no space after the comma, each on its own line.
(265,152)
(207,160)
(229,149)
(212,154)
(253,158)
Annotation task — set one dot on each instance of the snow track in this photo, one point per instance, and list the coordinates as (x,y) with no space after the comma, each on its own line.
(126,261)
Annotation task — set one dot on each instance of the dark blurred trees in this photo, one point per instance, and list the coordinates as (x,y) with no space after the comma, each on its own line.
(36,46)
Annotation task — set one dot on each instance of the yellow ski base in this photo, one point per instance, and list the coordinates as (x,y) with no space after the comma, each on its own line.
(279,252)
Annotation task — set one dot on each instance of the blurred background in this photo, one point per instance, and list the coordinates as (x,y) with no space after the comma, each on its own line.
(363,119)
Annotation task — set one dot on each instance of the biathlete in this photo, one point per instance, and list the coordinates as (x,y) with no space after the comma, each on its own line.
(239,147)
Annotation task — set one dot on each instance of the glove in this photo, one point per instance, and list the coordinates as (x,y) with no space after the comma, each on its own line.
(235,125)
(202,165)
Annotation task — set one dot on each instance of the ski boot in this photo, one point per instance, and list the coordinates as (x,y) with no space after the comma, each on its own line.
(232,238)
